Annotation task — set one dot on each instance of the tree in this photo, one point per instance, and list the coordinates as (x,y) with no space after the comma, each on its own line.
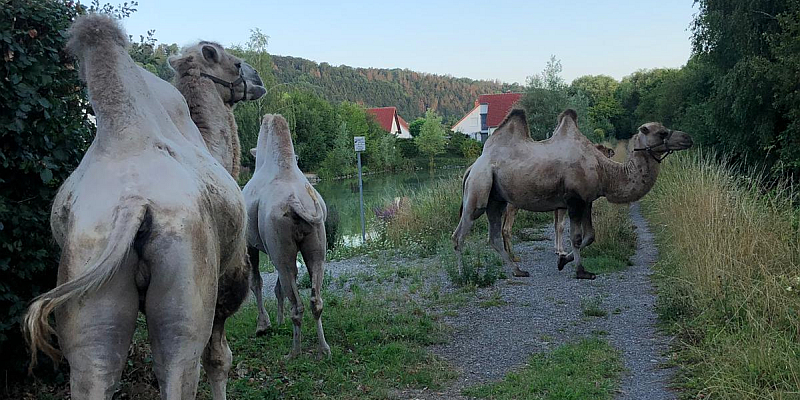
(431,140)
(340,160)
(415,126)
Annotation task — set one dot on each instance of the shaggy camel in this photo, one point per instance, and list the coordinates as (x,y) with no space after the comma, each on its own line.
(286,215)
(564,171)
(213,81)
(139,228)
(559,219)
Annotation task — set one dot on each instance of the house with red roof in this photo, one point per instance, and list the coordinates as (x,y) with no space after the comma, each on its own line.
(391,121)
(489,112)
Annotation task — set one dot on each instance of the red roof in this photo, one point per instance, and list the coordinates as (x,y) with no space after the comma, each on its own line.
(499,106)
(384,116)
(403,123)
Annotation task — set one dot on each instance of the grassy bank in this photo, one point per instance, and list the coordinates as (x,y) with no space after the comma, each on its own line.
(729,277)
(615,238)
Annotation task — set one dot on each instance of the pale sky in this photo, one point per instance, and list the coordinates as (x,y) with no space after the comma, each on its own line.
(505,40)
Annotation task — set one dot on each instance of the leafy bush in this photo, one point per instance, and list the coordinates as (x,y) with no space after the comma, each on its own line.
(43,135)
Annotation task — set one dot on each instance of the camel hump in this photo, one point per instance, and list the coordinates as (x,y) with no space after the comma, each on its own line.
(572,114)
(95,30)
(516,122)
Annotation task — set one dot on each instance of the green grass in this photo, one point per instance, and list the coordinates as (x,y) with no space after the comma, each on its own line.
(728,277)
(588,369)
(377,346)
(495,300)
(593,308)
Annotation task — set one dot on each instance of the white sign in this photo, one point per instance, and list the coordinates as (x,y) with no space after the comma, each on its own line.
(360,143)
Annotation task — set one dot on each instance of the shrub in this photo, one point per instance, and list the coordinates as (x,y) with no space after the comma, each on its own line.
(43,135)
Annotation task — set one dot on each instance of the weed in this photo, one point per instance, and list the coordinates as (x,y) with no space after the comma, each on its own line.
(495,300)
(592,308)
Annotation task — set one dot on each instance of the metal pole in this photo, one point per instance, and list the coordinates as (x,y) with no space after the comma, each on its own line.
(361,200)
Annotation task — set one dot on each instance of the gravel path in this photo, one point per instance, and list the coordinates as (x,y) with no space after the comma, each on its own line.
(545,310)
(542,312)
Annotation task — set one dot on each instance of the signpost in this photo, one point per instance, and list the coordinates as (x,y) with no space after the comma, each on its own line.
(360,144)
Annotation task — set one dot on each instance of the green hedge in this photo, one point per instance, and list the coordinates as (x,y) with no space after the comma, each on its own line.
(44,132)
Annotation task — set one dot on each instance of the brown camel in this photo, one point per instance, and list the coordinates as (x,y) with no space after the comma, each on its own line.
(139,229)
(564,171)
(559,219)
(286,215)
(213,81)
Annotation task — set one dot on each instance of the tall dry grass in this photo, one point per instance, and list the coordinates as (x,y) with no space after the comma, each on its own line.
(729,277)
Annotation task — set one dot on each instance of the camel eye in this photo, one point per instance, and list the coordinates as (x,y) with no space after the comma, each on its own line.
(238,65)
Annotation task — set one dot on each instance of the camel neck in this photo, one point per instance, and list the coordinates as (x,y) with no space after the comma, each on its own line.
(630,181)
(214,118)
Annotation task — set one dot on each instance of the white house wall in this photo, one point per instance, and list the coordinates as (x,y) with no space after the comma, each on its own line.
(470,124)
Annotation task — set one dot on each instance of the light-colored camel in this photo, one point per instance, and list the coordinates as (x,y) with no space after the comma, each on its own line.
(564,171)
(286,215)
(139,229)
(213,81)
(559,219)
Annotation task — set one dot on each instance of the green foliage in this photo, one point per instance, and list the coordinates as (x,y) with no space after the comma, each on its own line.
(341,159)
(482,267)
(416,126)
(588,369)
(43,135)
(152,56)
(431,140)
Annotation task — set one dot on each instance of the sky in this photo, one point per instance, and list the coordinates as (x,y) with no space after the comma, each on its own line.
(503,40)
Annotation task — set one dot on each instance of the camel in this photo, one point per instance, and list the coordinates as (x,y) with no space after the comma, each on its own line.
(286,215)
(213,81)
(559,219)
(139,227)
(564,171)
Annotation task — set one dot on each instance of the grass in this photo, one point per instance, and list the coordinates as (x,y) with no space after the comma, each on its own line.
(587,369)
(495,300)
(592,308)
(728,275)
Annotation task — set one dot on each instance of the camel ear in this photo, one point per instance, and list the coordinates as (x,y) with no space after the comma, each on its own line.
(210,53)
(253,152)
(516,121)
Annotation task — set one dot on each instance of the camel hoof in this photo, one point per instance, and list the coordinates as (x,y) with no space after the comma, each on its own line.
(263,331)
(323,353)
(564,259)
(521,274)
(582,274)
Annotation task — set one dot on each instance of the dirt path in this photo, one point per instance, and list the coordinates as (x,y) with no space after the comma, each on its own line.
(545,310)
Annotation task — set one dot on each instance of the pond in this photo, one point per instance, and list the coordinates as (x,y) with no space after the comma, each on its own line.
(379,191)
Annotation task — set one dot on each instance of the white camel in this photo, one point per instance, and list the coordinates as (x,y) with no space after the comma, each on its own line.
(148,221)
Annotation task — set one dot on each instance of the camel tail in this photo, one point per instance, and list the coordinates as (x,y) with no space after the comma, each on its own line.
(313,217)
(100,45)
(36,327)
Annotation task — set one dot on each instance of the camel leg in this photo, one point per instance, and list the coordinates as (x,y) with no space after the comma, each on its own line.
(577,213)
(313,250)
(217,357)
(285,260)
(508,222)
(280,296)
(179,314)
(494,211)
(257,286)
(587,227)
(95,333)
(560,221)
(468,217)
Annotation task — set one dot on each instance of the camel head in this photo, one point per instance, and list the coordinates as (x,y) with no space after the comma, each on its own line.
(659,141)
(235,79)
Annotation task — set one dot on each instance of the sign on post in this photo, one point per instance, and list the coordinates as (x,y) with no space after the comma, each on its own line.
(360,144)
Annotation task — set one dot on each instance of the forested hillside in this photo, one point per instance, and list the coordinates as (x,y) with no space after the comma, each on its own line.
(411,92)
